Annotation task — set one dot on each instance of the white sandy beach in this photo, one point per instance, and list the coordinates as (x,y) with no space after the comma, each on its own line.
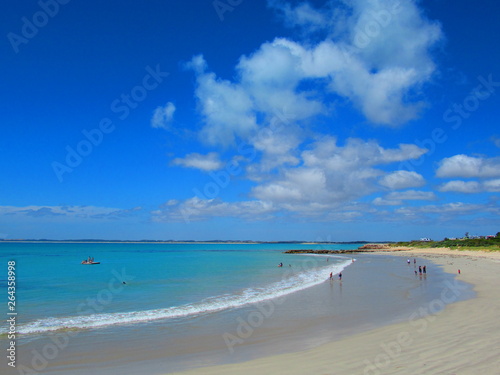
(464,338)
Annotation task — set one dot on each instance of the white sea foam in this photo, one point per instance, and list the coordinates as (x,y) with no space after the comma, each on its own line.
(290,283)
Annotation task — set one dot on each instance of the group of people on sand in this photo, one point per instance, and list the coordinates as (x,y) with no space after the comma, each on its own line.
(340,276)
(281,265)
(421,269)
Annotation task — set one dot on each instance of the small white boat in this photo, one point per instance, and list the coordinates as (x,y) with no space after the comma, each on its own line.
(90,262)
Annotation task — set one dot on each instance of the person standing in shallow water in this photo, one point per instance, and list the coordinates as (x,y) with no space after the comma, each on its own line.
(424,269)
(420,269)
(340,276)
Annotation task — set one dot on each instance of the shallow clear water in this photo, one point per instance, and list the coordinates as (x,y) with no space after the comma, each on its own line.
(144,282)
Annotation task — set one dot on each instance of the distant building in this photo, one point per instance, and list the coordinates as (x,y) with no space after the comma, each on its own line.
(425,239)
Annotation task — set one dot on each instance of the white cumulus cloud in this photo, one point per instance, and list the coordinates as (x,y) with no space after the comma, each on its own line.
(469,167)
(492,185)
(412,195)
(331,174)
(396,198)
(163,116)
(402,180)
(209,162)
(196,209)
(470,187)
(382,77)
(461,186)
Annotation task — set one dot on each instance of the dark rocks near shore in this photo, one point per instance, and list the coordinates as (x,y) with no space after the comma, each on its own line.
(323,251)
(371,247)
(375,246)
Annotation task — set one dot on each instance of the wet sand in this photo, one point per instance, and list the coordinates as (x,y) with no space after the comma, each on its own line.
(464,338)
(300,321)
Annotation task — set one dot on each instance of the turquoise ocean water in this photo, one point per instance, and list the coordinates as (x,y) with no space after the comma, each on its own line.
(152,308)
(137,283)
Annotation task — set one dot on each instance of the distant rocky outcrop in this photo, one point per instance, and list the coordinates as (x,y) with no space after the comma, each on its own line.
(370,247)
(375,246)
(323,251)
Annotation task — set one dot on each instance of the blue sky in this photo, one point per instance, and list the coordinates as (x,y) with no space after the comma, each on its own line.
(263,120)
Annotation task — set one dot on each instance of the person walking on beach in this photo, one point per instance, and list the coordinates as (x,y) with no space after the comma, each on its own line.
(424,269)
(340,276)
(420,269)
(331,275)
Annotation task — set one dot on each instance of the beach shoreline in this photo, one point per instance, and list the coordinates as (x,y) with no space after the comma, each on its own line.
(461,339)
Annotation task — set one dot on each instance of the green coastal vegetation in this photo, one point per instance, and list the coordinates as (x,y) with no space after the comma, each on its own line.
(483,243)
